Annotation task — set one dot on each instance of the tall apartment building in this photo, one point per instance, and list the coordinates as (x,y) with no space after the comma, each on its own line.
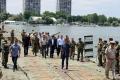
(32,6)
(2,6)
(64,6)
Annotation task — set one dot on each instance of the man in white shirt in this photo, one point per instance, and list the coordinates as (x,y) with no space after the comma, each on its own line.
(60,42)
(110,59)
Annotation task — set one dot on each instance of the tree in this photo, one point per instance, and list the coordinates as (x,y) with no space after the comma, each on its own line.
(28,14)
(61,14)
(115,23)
(47,20)
(110,20)
(102,19)
(92,18)
(4,16)
(50,14)
(84,19)
(16,17)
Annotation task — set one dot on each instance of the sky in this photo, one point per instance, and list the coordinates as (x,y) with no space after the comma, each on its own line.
(79,7)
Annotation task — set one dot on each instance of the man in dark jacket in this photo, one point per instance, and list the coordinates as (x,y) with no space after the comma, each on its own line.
(65,52)
(52,46)
(26,40)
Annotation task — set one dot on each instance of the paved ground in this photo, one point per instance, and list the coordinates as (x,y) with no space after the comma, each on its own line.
(38,68)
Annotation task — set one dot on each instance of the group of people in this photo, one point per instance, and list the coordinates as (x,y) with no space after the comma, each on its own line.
(63,47)
(108,56)
(9,46)
(47,44)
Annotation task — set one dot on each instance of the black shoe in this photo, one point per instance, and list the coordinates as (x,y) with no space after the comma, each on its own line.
(6,67)
(62,68)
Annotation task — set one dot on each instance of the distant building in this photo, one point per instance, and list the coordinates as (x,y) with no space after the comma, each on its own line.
(64,6)
(2,6)
(32,6)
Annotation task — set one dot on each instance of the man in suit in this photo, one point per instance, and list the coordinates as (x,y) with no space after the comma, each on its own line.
(52,46)
(26,40)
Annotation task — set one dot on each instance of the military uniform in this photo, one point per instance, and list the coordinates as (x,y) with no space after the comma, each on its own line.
(36,46)
(72,45)
(110,60)
(5,53)
(117,59)
(105,45)
(12,36)
(1,37)
(80,47)
(100,45)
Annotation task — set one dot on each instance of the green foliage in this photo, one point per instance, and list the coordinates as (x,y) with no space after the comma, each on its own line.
(74,19)
(50,14)
(4,16)
(48,20)
(115,23)
(102,19)
(16,17)
(62,17)
(28,14)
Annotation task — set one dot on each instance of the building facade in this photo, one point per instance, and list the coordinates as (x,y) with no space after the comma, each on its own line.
(64,6)
(32,6)
(2,6)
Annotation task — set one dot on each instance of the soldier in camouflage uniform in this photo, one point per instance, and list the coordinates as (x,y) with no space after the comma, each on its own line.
(80,48)
(1,37)
(105,45)
(117,46)
(12,36)
(73,44)
(36,45)
(5,53)
(99,50)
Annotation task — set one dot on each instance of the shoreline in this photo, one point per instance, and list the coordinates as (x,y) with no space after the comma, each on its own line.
(60,25)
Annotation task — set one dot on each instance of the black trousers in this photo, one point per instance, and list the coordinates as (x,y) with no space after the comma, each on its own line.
(78,56)
(58,50)
(25,50)
(117,66)
(47,49)
(52,48)
(63,59)
(100,63)
(117,63)
(14,59)
(4,59)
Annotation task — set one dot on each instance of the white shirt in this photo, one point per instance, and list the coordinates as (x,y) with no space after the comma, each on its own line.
(52,41)
(60,41)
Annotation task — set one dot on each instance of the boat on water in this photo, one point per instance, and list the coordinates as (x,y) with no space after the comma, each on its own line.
(15,22)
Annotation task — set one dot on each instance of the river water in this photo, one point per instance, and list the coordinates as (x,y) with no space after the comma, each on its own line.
(72,31)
